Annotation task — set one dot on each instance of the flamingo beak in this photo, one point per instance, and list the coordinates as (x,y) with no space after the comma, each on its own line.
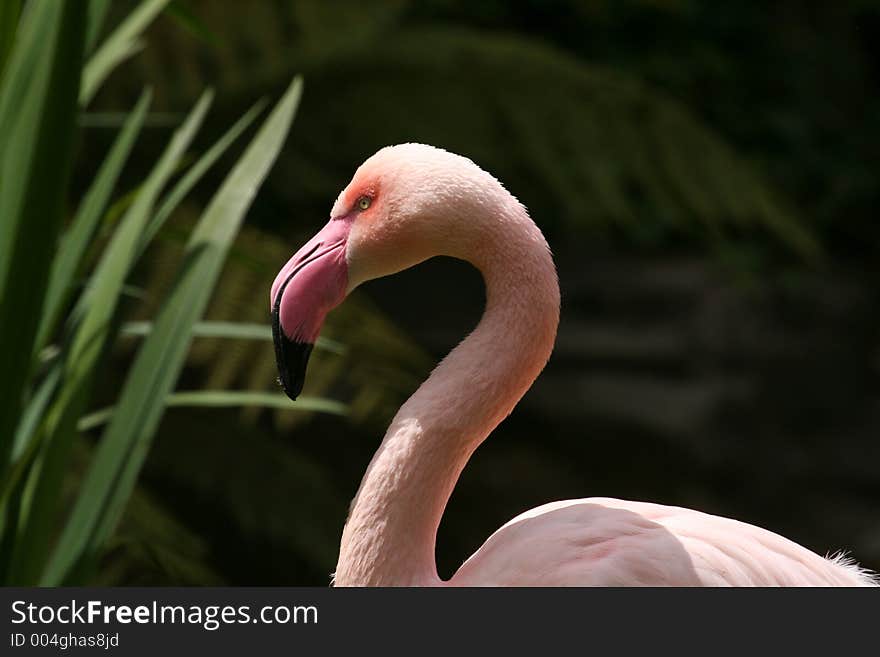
(310,285)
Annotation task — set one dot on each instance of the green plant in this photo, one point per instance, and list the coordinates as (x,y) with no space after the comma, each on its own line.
(54,333)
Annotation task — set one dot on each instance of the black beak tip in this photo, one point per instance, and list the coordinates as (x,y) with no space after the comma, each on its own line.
(292,364)
(292,357)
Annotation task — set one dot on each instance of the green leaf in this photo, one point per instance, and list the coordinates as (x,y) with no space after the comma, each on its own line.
(116,119)
(124,247)
(37,110)
(229,398)
(120,455)
(34,412)
(195,173)
(92,319)
(222,398)
(184,17)
(9,12)
(77,238)
(28,58)
(232,330)
(26,442)
(97,12)
(118,47)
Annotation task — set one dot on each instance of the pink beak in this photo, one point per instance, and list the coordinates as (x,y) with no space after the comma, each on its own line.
(310,285)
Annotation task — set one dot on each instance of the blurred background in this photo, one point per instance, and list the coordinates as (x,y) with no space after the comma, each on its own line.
(705,174)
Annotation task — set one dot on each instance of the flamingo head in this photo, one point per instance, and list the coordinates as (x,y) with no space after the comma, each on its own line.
(404,205)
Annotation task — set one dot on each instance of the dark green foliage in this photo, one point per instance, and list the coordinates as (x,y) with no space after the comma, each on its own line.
(591,152)
(37,110)
(48,388)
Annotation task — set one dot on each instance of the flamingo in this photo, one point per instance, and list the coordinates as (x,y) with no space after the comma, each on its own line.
(404,205)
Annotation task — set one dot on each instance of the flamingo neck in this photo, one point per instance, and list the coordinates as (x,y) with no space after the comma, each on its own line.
(390,536)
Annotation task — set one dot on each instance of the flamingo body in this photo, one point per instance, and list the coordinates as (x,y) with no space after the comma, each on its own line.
(412,202)
(609,542)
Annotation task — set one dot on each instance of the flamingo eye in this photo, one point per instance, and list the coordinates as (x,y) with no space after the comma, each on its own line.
(364,202)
